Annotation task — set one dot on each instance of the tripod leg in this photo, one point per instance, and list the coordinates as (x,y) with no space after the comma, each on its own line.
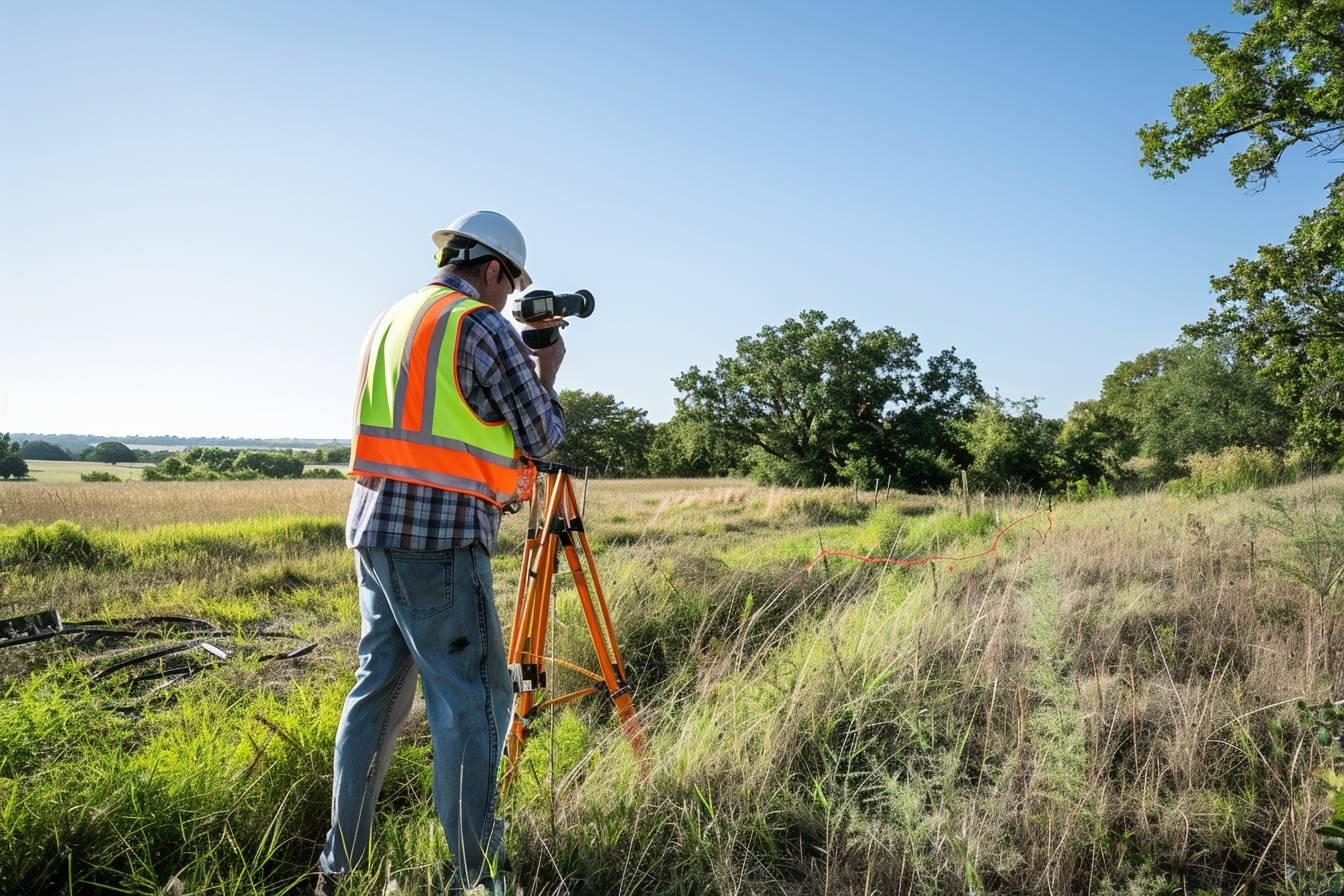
(561,529)
(527,641)
(520,605)
(525,662)
(518,633)
(603,632)
(601,595)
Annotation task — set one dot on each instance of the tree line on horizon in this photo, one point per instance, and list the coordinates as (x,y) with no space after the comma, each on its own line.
(816,401)
(195,463)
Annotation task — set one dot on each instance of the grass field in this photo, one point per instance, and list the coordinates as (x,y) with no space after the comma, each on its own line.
(53,471)
(66,471)
(1109,711)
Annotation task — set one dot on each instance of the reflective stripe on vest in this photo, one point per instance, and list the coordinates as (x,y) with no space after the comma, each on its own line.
(413,422)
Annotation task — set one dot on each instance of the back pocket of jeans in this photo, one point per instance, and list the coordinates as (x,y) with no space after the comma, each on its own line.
(423,581)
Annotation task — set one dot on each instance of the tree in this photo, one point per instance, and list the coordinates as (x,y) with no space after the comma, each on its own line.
(215,460)
(198,464)
(1192,397)
(1285,308)
(339,455)
(1280,86)
(1092,444)
(686,447)
(805,397)
(40,450)
(604,435)
(12,465)
(1011,445)
(267,464)
(111,453)
(170,468)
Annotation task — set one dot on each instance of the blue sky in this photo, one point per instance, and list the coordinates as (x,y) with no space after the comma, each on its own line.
(203,210)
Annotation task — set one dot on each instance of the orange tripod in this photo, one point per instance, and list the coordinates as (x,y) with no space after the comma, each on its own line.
(554,526)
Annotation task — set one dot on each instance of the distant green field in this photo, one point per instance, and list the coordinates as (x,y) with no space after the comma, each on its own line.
(70,470)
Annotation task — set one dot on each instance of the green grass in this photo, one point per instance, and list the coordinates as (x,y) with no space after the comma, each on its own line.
(61,471)
(1102,713)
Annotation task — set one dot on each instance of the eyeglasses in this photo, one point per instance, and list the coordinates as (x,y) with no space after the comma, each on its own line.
(508,272)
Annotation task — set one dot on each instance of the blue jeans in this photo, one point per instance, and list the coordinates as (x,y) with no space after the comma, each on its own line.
(432,613)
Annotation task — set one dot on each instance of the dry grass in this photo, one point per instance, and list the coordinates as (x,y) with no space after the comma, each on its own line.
(141,504)
(1113,715)
(1110,712)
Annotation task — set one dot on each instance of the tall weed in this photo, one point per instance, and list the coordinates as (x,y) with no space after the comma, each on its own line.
(1234,469)
(1313,533)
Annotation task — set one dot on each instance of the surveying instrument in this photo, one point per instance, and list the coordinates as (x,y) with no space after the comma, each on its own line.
(555,527)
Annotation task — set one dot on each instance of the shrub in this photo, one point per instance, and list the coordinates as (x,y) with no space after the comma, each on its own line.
(1082,490)
(1233,469)
(1141,473)
(98,476)
(1327,719)
(766,469)
(860,468)
(825,509)
(209,464)
(890,530)
(1314,554)
(59,544)
(268,464)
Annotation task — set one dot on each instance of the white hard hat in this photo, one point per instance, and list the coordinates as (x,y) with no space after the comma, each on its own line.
(492,231)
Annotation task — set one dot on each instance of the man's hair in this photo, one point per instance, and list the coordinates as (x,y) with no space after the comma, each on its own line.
(472,270)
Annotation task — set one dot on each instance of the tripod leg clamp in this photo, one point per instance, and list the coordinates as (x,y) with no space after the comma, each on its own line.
(526,677)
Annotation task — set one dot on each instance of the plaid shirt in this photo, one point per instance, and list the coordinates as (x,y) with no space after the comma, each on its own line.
(495,370)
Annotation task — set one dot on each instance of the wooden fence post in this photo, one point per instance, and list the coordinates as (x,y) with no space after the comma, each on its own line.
(965,494)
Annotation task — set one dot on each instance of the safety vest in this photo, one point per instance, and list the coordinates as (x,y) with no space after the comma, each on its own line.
(412,420)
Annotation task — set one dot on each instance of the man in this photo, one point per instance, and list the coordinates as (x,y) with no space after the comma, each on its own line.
(449,401)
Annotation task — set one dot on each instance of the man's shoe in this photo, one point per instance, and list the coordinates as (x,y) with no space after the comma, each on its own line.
(325,884)
(497,886)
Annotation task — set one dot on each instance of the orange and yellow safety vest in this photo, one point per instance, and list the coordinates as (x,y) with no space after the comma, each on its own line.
(412,420)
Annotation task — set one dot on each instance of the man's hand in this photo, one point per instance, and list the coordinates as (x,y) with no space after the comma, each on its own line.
(548,359)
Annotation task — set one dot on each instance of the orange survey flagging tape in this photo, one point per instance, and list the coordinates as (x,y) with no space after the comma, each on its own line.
(919,561)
